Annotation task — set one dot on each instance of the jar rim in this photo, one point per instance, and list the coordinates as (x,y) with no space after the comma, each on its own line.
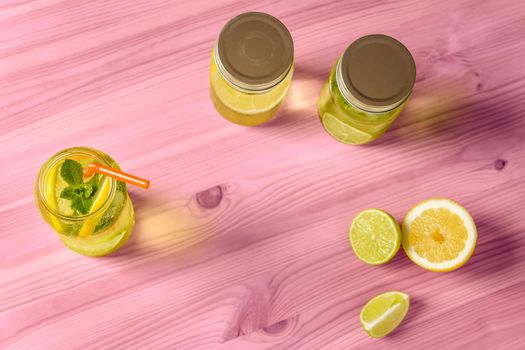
(246,87)
(376,73)
(254,51)
(57,158)
(351,99)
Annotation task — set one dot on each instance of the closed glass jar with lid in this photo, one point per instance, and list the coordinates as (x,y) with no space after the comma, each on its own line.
(251,68)
(367,89)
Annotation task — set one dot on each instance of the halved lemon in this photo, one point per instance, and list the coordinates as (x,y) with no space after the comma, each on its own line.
(375,236)
(383,313)
(439,235)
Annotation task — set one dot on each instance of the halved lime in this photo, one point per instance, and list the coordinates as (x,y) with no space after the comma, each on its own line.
(375,236)
(383,313)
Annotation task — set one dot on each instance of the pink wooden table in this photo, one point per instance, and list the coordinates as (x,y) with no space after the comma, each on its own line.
(241,243)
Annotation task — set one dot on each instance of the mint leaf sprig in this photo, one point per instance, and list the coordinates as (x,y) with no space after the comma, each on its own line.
(79,193)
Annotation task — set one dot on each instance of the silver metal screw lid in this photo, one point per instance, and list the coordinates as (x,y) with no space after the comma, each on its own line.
(376,73)
(254,51)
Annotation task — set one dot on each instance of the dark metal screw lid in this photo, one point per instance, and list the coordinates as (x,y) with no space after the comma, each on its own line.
(377,72)
(255,50)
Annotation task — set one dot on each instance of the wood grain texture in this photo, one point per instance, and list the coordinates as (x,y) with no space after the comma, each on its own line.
(241,243)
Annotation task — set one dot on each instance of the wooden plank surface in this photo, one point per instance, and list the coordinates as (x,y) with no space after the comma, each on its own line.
(241,243)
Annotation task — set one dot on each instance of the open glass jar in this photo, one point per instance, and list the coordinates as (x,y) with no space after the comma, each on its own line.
(251,68)
(367,89)
(92,216)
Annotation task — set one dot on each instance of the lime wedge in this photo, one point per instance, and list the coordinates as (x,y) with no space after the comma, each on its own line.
(375,236)
(383,313)
(344,132)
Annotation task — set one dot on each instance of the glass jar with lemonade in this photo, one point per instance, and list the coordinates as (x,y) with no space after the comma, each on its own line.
(251,68)
(92,216)
(367,89)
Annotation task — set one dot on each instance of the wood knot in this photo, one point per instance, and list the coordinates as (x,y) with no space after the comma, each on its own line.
(210,198)
(281,328)
(499,164)
(276,327)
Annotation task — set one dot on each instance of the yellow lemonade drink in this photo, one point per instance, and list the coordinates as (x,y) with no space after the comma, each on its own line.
(92,216)
(367,89)
(251,68)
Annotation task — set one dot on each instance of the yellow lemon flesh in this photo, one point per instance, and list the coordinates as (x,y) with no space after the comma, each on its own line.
(383,313)
(439,235)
